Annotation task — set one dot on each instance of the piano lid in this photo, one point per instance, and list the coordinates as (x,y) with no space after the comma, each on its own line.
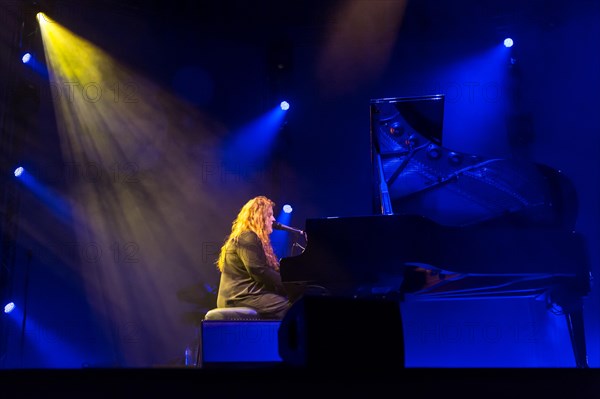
(413,173)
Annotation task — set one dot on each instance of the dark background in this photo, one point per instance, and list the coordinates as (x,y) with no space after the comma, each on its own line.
(225,63)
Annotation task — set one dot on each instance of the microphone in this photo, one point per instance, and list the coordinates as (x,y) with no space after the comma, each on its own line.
(279,226)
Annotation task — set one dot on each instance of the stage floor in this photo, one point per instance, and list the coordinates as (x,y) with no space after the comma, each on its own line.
(281,381)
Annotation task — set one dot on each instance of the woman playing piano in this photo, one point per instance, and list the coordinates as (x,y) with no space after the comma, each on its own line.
(249,268)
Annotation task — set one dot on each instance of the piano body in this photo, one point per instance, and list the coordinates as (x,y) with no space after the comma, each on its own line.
(449,225)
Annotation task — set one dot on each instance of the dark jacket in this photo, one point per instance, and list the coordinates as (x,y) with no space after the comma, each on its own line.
(248,280)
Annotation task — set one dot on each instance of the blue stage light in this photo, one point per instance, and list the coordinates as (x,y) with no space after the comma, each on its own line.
(19,171)
(9,307)
(508,42)
(284,105)
(26,58)
(287,208)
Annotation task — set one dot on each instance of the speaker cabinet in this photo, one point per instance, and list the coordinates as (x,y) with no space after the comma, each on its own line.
(326,331)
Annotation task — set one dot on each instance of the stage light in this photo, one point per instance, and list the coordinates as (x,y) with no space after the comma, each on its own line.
(287,208)
(508,42)
(9,307)
(26,58)
(42,18)
(19,171)
(284,105)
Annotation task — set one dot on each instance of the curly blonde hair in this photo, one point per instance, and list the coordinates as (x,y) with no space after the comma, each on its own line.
(251,217)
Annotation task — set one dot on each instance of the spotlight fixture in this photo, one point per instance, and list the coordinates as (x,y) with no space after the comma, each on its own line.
(26,58)
(287,208)
(19,171)
(284,105)
(9,307)
(508,42)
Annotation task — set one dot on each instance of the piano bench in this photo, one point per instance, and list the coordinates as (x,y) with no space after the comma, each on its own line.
(235,313)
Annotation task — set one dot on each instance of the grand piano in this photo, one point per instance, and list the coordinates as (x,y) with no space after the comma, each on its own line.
(449,225)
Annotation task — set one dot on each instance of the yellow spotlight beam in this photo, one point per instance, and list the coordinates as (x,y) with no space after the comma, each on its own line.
(358,44)
(144,212)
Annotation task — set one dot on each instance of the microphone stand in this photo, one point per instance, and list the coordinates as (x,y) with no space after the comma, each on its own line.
(296,244)
(295,232)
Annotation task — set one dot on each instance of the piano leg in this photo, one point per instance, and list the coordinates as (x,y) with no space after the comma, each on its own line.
(574,317)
